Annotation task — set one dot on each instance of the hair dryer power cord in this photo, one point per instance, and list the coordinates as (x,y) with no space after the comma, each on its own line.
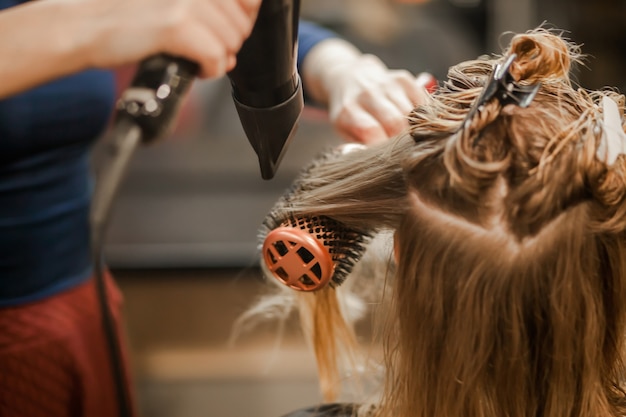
(126,136)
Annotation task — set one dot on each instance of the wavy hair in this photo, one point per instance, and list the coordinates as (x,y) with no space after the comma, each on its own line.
(508,297)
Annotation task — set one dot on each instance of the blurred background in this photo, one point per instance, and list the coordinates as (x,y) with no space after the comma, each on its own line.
(182,242)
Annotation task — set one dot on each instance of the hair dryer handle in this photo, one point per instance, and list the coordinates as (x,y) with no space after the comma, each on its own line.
(155,94)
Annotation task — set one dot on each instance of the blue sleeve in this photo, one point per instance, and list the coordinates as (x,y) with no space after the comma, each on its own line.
(309,35)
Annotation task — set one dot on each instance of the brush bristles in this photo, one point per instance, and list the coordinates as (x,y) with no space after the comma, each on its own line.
(345,245)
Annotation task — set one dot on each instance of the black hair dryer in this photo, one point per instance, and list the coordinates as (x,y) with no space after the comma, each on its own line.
(266,87)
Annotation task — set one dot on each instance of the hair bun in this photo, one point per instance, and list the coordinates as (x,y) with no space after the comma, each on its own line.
(540,55)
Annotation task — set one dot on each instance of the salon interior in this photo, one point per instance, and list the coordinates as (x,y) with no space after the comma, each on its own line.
(182,241)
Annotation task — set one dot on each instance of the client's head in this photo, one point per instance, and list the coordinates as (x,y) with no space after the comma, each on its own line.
(511,252)
(509,221)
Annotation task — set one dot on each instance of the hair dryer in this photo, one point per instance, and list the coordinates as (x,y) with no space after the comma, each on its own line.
(265,83)
(266,87)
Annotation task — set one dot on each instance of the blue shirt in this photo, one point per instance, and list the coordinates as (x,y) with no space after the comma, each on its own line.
(45,136)
(45,187)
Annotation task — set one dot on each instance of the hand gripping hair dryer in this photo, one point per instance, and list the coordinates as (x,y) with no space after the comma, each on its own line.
(266,87)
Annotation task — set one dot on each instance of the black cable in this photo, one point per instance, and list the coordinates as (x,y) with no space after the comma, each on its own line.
(126,135)
(146,111)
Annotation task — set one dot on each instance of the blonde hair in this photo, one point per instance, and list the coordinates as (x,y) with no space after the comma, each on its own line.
(508,298)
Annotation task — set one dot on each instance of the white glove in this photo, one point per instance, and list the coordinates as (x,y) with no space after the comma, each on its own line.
(367,102)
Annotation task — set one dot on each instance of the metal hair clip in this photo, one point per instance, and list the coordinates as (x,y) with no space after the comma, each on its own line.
(503,87)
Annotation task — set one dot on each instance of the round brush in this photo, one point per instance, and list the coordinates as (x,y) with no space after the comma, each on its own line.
(306,253)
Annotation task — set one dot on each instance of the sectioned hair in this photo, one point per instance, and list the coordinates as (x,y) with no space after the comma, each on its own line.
(508,296)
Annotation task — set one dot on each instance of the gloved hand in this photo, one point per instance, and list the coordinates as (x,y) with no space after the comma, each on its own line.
(367,102)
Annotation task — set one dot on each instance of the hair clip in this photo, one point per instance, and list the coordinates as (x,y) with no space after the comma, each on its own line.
(613,141)
(503,87)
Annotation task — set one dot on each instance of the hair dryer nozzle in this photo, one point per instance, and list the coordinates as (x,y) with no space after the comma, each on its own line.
(266,87)
(270,129)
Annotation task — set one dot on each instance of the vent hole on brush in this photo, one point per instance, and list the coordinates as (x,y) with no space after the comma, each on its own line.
(305,255)
(281,248)
(282,274)
(271,255)
(317,270)
(306,280)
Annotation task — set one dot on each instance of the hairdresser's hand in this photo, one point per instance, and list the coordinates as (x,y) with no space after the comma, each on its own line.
(209,32)
(367,102)
(53,38)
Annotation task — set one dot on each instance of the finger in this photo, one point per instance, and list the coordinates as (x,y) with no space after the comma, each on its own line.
(240,20)
(386,113)
(202,46)
(251,7)
(231,62)
(357,125)
(400,98)
(222,24)
(413,87)
(427,81)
